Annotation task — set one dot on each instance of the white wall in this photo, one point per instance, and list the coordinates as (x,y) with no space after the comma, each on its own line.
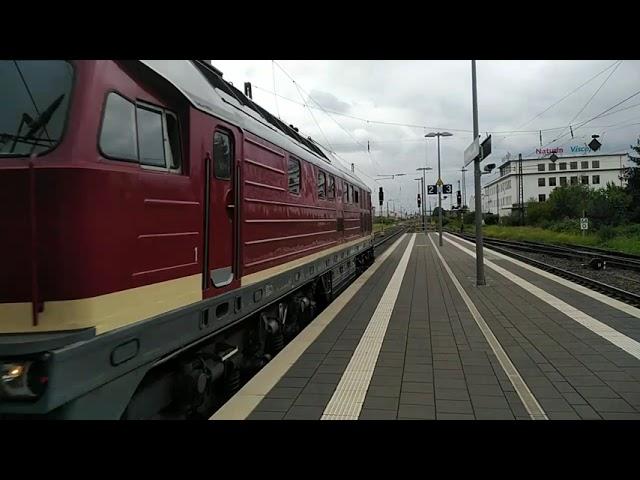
(609,170)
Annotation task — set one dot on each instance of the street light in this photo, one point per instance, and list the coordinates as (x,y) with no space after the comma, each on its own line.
(431,135)
(392,176)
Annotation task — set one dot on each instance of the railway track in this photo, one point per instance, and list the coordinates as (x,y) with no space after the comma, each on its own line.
(572,252)
(503,246)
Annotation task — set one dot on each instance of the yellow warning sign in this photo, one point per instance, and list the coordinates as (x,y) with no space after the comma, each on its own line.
(439,182)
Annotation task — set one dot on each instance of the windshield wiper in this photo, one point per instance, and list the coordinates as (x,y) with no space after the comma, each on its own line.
(5,138)
(36,125)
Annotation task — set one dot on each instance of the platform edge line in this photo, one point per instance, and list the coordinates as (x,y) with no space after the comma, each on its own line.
(267,378)
(528,399)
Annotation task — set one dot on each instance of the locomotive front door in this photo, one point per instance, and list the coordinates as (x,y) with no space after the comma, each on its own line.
(221,200)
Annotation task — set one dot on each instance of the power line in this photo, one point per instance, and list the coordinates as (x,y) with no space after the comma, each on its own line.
(593,118)
(596,92)
(566,96)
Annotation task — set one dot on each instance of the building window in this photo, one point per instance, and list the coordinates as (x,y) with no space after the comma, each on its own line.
(552,167)
(331,191)
(541,167)
(563,166)
(595,179)
(541,182)
(222,155)
(573,165)
(294,176)
(322,185)
(574,180)
(542,197)
(552,181)
(584,180)
(563,181)
(584,165)
(595,164)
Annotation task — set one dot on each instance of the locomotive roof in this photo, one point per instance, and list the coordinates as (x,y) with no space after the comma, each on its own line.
(203,86)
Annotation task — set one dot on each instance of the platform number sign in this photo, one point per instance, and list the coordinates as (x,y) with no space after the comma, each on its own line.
(584,224)
(432,189)
(447,189)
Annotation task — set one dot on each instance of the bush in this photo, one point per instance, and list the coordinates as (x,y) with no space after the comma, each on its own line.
(510,220)
(490,219)
(564,226)
(469,218)
(538,212)
(606,233)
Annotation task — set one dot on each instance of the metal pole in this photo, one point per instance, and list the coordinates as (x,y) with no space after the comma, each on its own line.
(439,197)
(497,202)
(423,206)
(424,192)
(480,280)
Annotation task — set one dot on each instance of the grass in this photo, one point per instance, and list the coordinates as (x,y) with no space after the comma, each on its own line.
(627,242)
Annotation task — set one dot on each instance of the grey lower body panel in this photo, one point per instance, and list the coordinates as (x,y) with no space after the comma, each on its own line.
(108,367)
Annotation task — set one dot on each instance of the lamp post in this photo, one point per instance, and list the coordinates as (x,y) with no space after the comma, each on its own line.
(438,135)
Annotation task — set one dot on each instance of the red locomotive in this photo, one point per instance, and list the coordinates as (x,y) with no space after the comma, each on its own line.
(161,236)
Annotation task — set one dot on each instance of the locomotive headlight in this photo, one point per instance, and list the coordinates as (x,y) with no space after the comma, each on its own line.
(13,371)
(22,380)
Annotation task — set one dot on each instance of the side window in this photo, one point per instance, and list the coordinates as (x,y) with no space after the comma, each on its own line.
(345,192)
(356,195)
(351,196)
(174,152)
(322,185)
(294,176)
(331,191)
(150,138)
(142,133)
(118,134)
(222,155)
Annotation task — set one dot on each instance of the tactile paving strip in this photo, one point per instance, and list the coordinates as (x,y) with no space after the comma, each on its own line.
(347,399)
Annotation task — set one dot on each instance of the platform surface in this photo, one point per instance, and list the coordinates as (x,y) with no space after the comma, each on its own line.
(415,338)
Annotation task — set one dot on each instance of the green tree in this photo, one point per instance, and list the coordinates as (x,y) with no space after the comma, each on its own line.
(608,206)
(633,185)
(569,201)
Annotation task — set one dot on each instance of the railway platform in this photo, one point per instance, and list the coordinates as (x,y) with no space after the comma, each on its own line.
(414,338)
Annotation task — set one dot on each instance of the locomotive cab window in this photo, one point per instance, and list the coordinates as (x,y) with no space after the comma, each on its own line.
(294,176)
(150,138)
(322,185)
(141,133)
(118,137)
(222,155)
(35,101)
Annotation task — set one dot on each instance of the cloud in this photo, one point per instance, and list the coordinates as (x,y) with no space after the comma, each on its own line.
(328,101)
(437,94)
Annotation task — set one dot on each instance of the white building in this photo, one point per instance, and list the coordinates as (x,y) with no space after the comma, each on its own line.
(541,175)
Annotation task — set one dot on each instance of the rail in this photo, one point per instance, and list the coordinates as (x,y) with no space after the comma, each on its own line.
(610,290)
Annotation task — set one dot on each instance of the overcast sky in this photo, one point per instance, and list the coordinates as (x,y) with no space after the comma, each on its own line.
(432,95)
